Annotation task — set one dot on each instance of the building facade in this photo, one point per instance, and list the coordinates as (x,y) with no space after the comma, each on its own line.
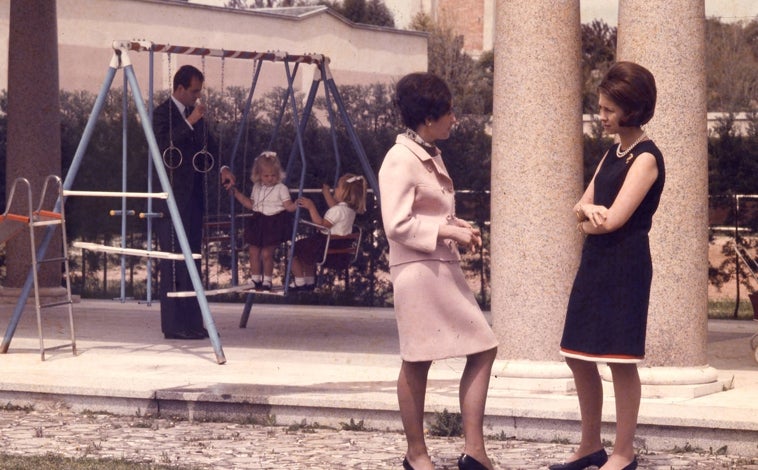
(359,54)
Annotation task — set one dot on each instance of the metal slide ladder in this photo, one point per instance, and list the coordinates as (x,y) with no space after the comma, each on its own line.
(12,224)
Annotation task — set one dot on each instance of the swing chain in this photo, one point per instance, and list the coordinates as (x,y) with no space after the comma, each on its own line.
(172,156)
(203,160)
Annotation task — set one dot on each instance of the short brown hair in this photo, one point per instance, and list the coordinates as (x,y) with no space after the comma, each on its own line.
(632,87)
(421,96)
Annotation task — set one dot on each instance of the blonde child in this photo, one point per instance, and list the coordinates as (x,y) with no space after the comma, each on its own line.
(270,225)
(348,199)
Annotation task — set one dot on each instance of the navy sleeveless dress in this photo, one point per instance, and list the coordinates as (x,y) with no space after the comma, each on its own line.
(607,311)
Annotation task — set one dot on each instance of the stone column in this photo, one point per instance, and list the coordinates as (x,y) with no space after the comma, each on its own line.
(34,134)
(536,179)
(668,38)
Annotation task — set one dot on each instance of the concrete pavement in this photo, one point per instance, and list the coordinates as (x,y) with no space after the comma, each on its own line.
(300,365)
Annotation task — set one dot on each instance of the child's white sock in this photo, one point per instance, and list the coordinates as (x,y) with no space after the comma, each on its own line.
(309,280)
(256,277)
(268,280)
(299,281)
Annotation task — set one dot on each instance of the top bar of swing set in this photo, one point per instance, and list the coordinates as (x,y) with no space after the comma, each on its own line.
(271,56)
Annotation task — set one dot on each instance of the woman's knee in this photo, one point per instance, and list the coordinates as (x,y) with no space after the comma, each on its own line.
(579,366)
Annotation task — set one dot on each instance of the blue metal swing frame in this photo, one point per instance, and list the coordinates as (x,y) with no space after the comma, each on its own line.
(121,60)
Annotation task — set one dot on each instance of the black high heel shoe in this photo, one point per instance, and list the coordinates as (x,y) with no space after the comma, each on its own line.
(466,462)
(597,459)
(407,465)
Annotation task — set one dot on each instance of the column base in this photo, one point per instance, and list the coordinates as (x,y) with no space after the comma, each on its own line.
(657,382)
(534,376)
(672,382)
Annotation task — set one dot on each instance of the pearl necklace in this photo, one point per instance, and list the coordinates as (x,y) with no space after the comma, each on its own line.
(620,154)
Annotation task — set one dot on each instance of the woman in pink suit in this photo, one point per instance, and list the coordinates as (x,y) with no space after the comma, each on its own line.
(437,315)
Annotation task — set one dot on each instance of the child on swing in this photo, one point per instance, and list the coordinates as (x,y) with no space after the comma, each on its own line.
(270,225)
(348,199)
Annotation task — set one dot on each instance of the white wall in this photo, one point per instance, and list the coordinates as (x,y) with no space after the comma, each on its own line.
(87,28)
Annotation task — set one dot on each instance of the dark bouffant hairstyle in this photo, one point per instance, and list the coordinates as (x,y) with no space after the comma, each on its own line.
(421,96)
(185,74)
(632,87)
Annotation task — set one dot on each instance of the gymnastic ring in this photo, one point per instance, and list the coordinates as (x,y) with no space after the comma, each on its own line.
(208,161)
(169,155)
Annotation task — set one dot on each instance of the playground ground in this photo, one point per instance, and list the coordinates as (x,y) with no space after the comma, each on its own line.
(326,368)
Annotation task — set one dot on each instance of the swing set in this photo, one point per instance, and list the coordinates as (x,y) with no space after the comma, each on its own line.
(203,161)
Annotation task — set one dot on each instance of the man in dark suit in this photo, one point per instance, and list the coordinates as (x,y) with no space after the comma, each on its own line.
(180,130)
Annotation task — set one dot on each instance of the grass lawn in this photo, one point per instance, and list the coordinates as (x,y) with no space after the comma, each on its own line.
(55,462)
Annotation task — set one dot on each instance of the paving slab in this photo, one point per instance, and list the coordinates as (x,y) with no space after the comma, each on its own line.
(297,364)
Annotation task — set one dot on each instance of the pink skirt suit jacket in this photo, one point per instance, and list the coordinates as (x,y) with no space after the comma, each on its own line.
(437,314)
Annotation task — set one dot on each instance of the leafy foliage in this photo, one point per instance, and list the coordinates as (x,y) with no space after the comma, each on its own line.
(373,12)
(446,424)
(732,65)
(470,81)
(598,54)
(733,157)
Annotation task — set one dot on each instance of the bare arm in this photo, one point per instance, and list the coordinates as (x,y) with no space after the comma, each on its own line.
(328,196)
(316,218)
(639,180)
(587,198)
(246,202)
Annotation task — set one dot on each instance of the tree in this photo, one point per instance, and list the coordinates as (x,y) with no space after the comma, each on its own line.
(3,140)
(732,65)
(470,82)
(598,54)
(373,12)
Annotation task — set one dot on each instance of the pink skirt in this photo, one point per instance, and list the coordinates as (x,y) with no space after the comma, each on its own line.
(437,314)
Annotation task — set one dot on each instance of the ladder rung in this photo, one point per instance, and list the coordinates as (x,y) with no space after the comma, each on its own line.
(48,214)
(14,217)
(60,346)
(51,260)
(42,223)
(56,304)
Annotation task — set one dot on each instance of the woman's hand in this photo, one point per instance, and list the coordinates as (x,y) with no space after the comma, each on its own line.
(596,215)
(463,234)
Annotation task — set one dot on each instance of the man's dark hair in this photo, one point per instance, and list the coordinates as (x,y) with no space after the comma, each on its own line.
(185,74)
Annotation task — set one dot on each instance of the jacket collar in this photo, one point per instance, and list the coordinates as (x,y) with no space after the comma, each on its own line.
(423,155)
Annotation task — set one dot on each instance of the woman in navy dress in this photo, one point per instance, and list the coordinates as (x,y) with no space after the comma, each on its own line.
(607,311)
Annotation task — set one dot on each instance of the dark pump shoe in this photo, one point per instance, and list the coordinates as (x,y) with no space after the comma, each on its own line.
(466,462)
(597,459)
(407,465)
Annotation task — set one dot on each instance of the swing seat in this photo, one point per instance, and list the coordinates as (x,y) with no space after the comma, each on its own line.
(340,251)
